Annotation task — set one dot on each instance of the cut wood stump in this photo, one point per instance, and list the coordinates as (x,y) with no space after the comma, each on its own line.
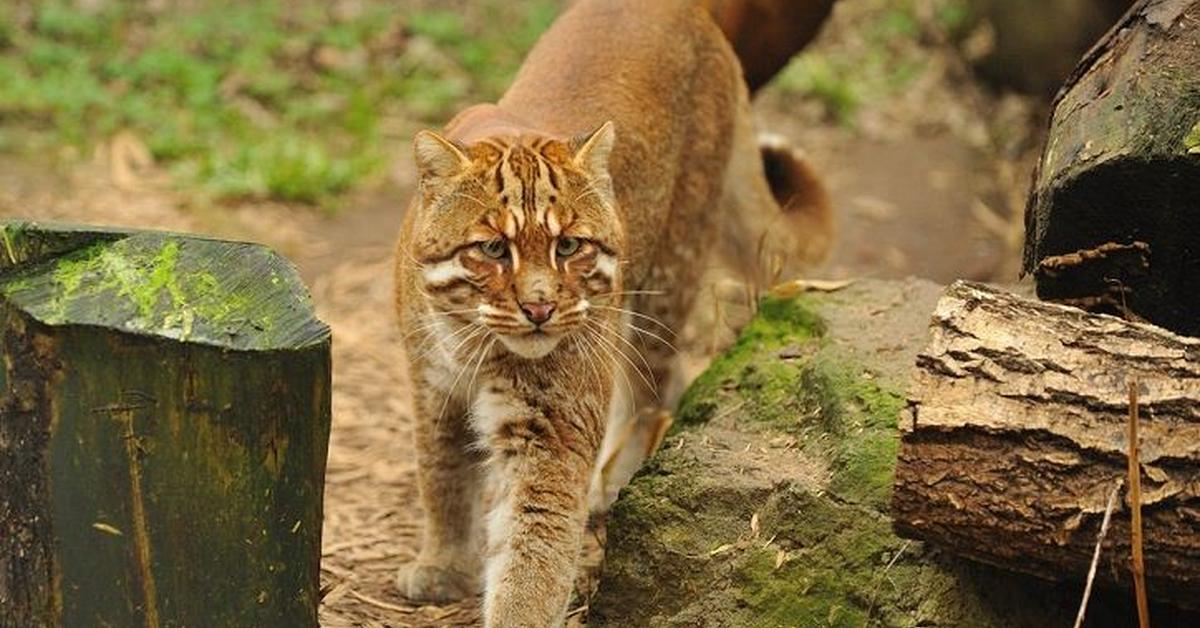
(164,422)
(1016,433)
(1117,189)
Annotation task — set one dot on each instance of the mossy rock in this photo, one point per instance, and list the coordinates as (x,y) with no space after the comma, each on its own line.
(768,505)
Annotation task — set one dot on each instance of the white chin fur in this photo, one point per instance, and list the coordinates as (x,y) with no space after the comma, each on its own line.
(532,346)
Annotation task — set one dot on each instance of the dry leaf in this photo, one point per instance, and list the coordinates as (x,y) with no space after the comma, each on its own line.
(722,549)
(754,525)
(799,286)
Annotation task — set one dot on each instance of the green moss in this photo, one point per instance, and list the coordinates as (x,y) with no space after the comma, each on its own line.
(864,458)
(169,285)
(779,322)
(71,269)
(782,376)
(866,467)
(1192,141)
(839,411)
(104,268)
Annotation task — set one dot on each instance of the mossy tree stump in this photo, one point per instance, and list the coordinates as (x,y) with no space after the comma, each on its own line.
(163,432)
(1113,219)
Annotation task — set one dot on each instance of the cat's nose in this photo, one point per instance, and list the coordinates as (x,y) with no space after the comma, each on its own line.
(538,312)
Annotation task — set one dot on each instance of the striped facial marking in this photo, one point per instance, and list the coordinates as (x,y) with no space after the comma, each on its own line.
(529,237)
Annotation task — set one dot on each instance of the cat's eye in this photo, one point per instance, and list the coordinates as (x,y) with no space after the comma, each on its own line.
(495,249)
(567,246)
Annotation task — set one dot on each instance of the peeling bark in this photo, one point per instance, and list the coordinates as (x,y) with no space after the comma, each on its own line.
(1016,433)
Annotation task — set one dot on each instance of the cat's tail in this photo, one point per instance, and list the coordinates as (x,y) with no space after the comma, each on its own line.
(803,199)
(766,33)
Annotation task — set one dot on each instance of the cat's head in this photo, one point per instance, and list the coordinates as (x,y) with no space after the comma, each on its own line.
(518,234)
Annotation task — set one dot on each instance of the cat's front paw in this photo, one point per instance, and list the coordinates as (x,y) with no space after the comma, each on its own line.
(429,583)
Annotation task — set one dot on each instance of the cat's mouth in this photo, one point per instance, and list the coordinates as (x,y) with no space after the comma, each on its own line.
(537,343)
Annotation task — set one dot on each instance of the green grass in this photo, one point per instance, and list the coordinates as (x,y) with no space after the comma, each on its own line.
(280,99)
(888,56)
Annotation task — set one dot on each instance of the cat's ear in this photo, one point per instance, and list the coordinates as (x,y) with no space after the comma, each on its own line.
(437,156)
(592,150)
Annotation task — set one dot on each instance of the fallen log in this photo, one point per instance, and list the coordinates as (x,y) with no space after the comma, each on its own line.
(1121,167)
(164,420)
(1015,435)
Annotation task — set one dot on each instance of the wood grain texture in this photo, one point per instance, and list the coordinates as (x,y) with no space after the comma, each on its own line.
(164,420)
(1016,433)
(1121,165)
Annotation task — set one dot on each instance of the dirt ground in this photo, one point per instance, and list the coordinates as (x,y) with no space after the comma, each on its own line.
(927,183)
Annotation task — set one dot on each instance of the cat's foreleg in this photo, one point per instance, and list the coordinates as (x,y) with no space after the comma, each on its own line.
(541,464)
(449,478)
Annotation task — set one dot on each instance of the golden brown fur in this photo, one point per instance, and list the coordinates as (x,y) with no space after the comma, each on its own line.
(554,234)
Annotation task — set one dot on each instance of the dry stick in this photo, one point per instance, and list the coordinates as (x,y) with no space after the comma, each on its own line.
(1087,590)
(879,580)
(1135,497)
(387,606)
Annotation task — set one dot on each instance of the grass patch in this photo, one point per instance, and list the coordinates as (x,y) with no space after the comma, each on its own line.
(292,100)
(887,57)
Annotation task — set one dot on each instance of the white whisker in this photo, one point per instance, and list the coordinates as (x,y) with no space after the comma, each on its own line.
(613,364)
(653,293)
(646,332)
(457,378)
(436,343)
(646,317)
(614,347)
(482,357)
(622,338)
(471,198)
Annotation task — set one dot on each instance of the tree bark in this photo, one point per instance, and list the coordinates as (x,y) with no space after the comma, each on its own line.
(1016,434)
(1121,167)
(164,422)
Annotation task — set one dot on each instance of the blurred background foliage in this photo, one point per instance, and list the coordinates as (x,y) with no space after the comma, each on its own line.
(301,100)
(285,99)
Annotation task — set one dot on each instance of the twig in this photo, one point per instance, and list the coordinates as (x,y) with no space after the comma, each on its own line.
(387,606)
(1087,590)
(879,580)
(1135,497)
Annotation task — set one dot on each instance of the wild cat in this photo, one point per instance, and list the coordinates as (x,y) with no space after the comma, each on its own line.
(554,237)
